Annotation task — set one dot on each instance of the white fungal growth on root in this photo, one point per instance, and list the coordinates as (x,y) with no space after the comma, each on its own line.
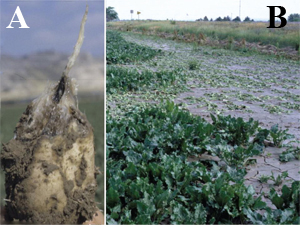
(41,114)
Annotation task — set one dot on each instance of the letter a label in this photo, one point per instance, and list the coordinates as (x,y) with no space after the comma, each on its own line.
(20,17)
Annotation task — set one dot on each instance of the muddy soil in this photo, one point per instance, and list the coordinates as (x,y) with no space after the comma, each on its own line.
(49,164)
(241,85)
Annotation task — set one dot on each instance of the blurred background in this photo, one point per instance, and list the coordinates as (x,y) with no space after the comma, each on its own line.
(34,57)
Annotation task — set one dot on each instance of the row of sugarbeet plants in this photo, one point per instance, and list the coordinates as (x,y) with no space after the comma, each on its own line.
(119,51)
(152,174)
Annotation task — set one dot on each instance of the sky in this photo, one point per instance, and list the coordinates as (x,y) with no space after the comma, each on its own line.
(195,9)
(54,26)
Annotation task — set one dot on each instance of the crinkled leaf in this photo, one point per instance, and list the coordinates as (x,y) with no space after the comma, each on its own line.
(200,214)
(112,197)
(276,200)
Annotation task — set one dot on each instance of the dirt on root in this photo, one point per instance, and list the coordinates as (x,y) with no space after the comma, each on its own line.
(47,176)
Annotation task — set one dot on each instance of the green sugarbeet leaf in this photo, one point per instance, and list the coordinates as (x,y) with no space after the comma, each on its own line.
(112,198)
(276,200)
(200,214)
(161,200)
(258,204)
(143,219)
(180,213)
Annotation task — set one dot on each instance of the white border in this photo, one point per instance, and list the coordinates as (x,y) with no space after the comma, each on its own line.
(104,138)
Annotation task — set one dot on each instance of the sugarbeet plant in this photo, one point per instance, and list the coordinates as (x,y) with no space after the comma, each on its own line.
(49,164)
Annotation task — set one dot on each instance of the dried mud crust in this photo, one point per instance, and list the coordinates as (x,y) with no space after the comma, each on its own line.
(49,176)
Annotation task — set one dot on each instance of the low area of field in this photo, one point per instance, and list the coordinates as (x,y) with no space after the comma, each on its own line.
(198,134)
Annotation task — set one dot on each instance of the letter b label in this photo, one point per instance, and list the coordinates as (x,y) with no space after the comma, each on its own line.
(272,16)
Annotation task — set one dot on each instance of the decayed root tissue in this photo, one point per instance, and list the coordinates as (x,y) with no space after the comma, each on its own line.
(49,164)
